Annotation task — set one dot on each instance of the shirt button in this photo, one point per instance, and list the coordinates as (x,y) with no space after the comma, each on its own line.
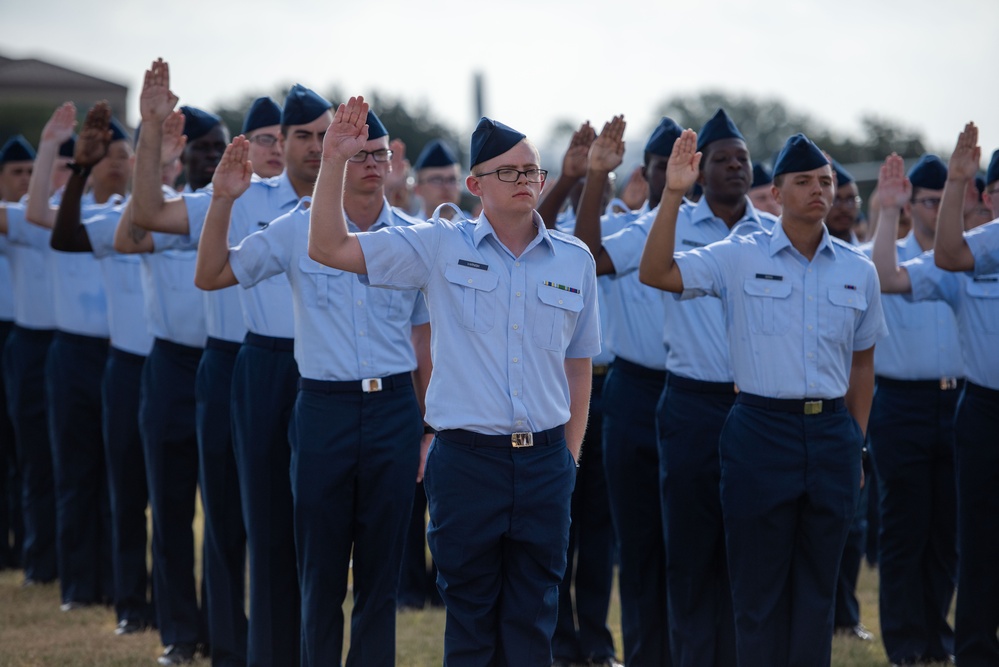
(469,281)
(811,384)
(809,327)
(560,300)
(360,333)
(516,263)
(810,297)
(515,392)
(518,293)
(811,356)
(364,363)
(359,302)
(516,326)
(515,360)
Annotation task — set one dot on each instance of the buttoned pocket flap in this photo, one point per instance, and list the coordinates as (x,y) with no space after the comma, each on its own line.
(560,298)
(983,289)
(848,298)
(473,278)
(776,289)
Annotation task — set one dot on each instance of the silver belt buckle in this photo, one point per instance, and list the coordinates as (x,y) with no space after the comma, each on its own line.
(369,385)
(948,383)
(522,439)
(813,407)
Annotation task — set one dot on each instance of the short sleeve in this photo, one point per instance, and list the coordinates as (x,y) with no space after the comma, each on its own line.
(401,257)
(984,244)
(929,282)
(268,252)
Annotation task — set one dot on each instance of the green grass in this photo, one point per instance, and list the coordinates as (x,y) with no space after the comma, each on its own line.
(34,633)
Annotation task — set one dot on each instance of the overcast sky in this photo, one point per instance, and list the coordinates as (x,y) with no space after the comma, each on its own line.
(926,64)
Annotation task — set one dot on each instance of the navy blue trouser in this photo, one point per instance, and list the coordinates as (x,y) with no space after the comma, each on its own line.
(581,633)
(631,463)
(224,537)
(977,615)
(11,516)
(170,445)
(353,467)
(73,372)
(126,470)
(417,582)
(499,531)
(847,609)
(789,487)
(912,445)
(24,376)
(264,386)
(701,625)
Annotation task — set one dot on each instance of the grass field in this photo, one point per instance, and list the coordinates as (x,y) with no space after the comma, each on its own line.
(34,633)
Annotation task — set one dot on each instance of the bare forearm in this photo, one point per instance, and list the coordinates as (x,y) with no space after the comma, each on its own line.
(579,374)
(657,267)
(38,210)
(147,193)
(129,239)
(212,270)
(894,279)
(861,390)
(69,234)
(329,241)
(950,250)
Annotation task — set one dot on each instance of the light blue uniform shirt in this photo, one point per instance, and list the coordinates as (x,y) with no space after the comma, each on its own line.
(692,333)
(122,285)
(975,302)
(984,244)
(175,308)
(78,287)
(793,324)
(223,314)
(29,252)
(344,330)
(266,307)
(924,342)
(501,326)
(6,284)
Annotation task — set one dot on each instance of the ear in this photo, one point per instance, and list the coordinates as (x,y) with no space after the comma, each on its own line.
(472,184)
(775,191)
(989,200)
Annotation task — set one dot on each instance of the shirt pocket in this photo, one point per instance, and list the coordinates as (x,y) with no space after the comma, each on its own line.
(473,293)
(178,270)
(555,317)
(984,300)
(768,306)
(847,306)
(317,283)
(124,273)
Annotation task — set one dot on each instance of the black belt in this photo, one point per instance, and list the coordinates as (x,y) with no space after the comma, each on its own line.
(979,390)
(518,440)
(632,368)
(177,347)
(229,346)
(700,386)
(800,406)
(270,342)
(83,339)
(130,357)
(366,386)
(943,384)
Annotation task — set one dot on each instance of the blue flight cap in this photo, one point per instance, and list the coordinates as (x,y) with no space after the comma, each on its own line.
(992,174)
(719,127)
(17,149)
(263,112)
(761,175)
(118,132)
(663,137)
(843,177)
(67,148)
(930,173)
(375,127)
(302,106)
(980,186)
(799,154)
(198,123)
(435,154)
(492,138)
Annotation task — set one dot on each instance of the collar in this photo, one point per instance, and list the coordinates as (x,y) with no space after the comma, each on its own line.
(702,212)
(484,228)
(385,218)
(779,241)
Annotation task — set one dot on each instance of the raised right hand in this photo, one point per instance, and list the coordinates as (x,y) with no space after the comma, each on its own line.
(684,163)
(232,176)
(156,100)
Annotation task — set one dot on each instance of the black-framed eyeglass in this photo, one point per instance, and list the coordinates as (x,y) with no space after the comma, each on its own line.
(510,175)
(928,202)
(265,140)
(380,155)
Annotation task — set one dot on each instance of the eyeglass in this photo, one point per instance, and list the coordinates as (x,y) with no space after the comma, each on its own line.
(380,155)
(928,202)
(508,175)
(441,180)
(265,140)
(848,202)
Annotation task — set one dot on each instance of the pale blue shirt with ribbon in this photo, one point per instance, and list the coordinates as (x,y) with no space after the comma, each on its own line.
(792,324)
(344,330)
(984,244)
(501,325)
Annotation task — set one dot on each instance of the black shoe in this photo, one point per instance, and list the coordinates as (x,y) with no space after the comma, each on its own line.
(857,631)
(177,654)
(129,627)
